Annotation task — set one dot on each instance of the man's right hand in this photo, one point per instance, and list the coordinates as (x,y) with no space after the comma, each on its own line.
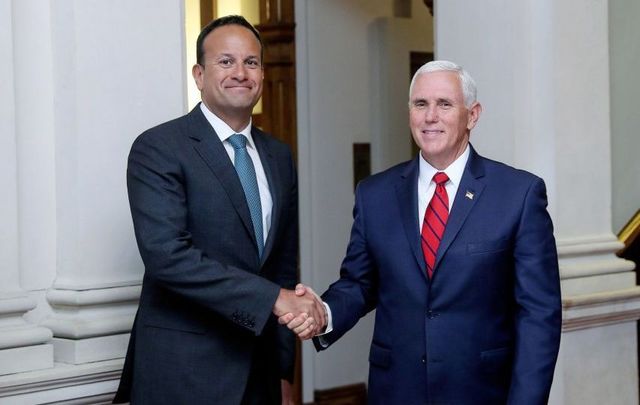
(306,325)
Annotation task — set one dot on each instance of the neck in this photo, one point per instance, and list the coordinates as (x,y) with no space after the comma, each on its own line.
(237,120)
(442,162)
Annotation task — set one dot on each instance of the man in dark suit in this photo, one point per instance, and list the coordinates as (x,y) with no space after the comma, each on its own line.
(456,253)
(214,205)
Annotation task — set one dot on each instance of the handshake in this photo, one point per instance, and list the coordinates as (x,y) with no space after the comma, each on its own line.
(302,311)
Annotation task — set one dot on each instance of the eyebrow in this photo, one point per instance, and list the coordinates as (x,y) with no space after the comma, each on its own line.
(229,55)
(438,100)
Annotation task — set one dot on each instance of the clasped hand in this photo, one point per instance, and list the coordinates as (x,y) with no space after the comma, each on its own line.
(302,311)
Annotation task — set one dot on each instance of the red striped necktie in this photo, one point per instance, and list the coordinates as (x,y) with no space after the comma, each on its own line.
(435,220)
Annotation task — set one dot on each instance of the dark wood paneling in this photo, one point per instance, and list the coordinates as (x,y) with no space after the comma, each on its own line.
(355,394)
(207,11)
(279,93)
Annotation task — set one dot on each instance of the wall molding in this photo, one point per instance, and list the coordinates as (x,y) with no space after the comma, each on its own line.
(54,383)
(600,309)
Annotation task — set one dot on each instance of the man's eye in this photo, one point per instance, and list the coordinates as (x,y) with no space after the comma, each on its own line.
(225,62)
(252,63)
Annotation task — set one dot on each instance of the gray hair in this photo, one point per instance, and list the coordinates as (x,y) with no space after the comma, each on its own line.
(468,84)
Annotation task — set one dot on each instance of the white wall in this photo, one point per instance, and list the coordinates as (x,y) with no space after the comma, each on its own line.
(507,56)
(336,42)
(625,121)
(8,179)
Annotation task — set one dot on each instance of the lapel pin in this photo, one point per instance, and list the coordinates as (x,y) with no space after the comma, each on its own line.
(469,195)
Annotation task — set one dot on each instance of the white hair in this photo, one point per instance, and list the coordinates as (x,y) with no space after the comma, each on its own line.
(468,84)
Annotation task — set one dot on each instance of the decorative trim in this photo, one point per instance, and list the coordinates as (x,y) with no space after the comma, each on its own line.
(593,321)
(576,247)
(63,283)
(601,298)
(79,314)
(100,399)
(60,376)
(64,297)
(355,394)
(601,309)
(585,257)
(18,332)
(24,335)
(609,265)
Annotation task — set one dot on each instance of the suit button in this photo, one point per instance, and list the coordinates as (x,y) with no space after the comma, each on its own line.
(430,314)
(424,359)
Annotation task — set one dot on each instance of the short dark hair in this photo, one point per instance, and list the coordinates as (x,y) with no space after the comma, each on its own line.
(220,22)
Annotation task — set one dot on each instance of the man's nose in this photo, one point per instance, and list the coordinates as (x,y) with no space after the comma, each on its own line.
(240,71)
(431,114)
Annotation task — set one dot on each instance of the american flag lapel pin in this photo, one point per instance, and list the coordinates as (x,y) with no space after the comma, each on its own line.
(469,195)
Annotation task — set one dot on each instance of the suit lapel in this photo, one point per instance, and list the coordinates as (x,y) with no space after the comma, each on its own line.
(212,151)
(269,165)
(407,193)
(468,194)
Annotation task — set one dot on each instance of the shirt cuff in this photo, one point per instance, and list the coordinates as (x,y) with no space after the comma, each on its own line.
(328,329)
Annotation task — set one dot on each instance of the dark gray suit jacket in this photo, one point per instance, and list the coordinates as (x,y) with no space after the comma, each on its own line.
(204,331)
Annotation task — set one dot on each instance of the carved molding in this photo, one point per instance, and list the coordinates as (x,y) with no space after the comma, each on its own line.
(79,314)
(60,377)
(15,331)
(584,257)
(600,309)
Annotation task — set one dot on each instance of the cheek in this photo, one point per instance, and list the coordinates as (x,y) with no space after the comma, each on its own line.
(414,119)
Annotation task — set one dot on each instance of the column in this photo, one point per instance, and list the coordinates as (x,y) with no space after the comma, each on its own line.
(542,69)
(23,346)
(115,74)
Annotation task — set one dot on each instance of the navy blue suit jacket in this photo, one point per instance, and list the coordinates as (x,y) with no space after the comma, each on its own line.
(204,331)
(486,328)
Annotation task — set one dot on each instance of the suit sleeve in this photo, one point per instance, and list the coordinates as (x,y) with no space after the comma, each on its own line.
(157,198)
(538,302)
(356,291)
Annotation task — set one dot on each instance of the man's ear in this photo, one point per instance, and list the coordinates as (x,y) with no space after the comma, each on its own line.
(474,115)
(197,71)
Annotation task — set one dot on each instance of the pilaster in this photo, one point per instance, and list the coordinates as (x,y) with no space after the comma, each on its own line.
(102,103)
(23,346)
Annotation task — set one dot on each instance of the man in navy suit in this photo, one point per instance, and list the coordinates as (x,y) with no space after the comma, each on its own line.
(456,253)
(214,205)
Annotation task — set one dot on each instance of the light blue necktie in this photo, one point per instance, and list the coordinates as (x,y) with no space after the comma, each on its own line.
(247,173)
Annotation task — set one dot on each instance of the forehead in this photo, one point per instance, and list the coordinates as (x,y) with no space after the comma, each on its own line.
(441,84)
(232,39)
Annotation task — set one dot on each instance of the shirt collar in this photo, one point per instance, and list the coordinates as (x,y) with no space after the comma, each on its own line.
(454,171)
(223,130)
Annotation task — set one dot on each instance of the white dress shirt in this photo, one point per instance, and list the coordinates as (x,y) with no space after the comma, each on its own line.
(224,131)
(426,188)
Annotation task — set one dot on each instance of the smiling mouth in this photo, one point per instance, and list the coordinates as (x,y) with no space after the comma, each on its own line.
(432,132)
